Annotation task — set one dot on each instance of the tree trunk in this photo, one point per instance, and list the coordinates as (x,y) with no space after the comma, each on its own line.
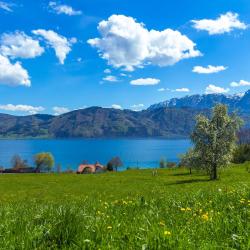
(190,171)
(214,173)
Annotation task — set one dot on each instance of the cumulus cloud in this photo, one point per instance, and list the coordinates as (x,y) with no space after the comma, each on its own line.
(22,108)
(13,74)
(137,107)
(107,71)
(60,44)
(116,106)
(60,110)
(241,83)
(110,79)
(145,81)
(63,9)
(6,6)
(212,89)
(127,44)
(209,69)
(225,23)
(182,90)
(18,44)
(163,89)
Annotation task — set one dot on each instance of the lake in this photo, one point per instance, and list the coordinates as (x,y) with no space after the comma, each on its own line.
(144,153)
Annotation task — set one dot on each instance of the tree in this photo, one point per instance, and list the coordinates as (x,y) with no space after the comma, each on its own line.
(214,141)
(18,162)
(242,153)
(44,161)
(163,163)
(114,163)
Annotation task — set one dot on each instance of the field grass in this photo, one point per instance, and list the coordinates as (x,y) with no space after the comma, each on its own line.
(126,210)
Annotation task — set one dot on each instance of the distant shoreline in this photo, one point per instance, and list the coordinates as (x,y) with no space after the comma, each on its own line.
(96,138)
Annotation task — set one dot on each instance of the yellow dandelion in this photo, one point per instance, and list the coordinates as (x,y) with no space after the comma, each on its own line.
(205,217)
(109,227)
(183,209)
(188,209)
(167,233)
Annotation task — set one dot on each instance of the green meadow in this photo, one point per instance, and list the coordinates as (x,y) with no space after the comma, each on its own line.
(126,210)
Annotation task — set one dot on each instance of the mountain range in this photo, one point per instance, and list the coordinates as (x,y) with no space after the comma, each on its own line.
(170,119)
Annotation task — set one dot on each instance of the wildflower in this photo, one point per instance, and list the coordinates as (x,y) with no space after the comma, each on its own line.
(167,233)
(188,209)
(183,209)
(161,223)
(220,190)
(109,227)
(205,217)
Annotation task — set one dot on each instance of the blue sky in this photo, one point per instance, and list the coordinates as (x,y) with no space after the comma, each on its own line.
(53,54)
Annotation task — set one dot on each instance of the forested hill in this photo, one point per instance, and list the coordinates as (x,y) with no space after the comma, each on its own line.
(174,118)
(102,122)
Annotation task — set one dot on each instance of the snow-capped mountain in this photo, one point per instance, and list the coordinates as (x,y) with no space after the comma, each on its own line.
(240,102)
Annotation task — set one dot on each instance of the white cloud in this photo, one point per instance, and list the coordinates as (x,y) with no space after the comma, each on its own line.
(18,44)
(145,81)
(163,89)
(60,110)
(182,90)
(110,79)
(6,6)
(209,69)
(60,44)
(13,74)
(223,24)
(127,44)
(116,106)
(64,9)
(107,71)
(212,89)
(241,83)
(137,107)
(22,108)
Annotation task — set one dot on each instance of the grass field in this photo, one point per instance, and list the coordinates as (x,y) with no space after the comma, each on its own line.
(127,210)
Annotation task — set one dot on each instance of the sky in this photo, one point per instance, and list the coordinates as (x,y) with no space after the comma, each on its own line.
(59,56)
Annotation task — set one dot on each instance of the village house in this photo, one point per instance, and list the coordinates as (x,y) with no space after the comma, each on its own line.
(90,168)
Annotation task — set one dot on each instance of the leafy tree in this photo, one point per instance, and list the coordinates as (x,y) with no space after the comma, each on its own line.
(214,141)
(44,161)
(114,164)
(163,163)
(18,162)
(242,153)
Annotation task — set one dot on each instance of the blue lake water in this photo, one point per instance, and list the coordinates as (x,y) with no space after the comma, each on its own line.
(144,153)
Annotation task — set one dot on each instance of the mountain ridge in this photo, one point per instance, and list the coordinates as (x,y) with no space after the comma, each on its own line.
(170,119)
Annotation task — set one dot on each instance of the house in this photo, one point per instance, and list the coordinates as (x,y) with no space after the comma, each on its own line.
(90,168)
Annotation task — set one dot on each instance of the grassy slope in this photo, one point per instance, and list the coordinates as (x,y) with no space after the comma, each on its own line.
(128,210)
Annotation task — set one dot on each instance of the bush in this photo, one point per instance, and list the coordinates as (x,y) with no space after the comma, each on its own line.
(242,153)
